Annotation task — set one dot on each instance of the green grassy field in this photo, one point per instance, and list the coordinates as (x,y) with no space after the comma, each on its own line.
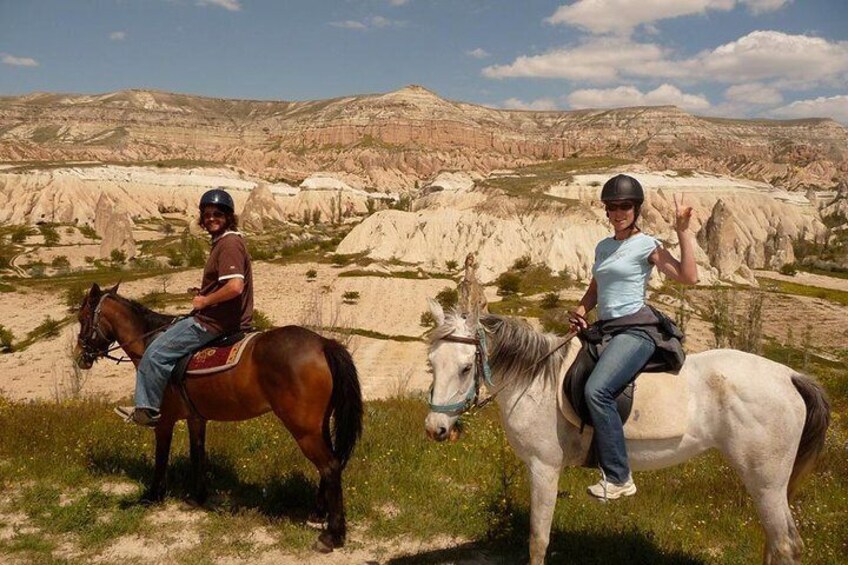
(56,458)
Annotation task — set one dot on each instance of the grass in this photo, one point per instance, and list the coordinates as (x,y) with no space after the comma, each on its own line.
(55,457)
(772,285)
(418,275)
(536,179)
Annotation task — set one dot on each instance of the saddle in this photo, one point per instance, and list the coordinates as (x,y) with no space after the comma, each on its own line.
(220,354)
(659,411)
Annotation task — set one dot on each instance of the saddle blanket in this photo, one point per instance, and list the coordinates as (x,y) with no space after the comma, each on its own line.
(660,403)
(214,359)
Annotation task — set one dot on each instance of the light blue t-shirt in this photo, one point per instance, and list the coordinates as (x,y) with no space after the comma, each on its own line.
(621,271)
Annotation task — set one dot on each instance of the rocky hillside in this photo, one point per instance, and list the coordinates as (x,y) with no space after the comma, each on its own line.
(397,140)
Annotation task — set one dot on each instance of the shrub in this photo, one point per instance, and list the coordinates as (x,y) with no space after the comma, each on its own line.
(451,265)
(521,263)
(340,260)
(448,297)
(48,328)
(51,236)
(350,297)
(88,231)
(311,275)
(118,257)
(789,269)
(427,320)
(261,321)
(508,283)
(6,339)
(20,234)
(74,295)
(550,300)
(154,299)
(61,263)
(316,216)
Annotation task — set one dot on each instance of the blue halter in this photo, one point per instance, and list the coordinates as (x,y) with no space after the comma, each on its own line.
(482,374)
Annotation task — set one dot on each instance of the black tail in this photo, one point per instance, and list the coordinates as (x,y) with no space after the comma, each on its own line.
(346,400)
(815,428)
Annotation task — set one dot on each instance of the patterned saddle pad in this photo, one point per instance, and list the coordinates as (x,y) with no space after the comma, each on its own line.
(213,359)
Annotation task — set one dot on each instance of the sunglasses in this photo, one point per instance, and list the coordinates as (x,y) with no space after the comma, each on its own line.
(213,214)
(624,207)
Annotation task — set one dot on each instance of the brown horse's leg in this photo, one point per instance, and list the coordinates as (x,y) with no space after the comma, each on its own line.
(164,434)
(318,451)
(319,514)
(197,442)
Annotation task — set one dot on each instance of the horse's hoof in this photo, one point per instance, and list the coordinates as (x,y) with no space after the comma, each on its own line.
(321,546)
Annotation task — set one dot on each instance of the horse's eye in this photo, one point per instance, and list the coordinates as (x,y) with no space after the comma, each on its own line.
(466,369)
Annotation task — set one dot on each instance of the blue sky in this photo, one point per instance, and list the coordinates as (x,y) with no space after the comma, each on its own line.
(740,58)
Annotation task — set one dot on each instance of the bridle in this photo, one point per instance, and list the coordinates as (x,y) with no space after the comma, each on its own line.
(92,352)
(482,374)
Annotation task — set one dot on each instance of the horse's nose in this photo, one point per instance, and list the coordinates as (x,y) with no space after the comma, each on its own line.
(441,433)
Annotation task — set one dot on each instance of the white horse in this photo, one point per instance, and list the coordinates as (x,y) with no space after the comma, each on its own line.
(768,421)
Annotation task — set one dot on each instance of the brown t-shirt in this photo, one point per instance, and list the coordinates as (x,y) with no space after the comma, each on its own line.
(228,259)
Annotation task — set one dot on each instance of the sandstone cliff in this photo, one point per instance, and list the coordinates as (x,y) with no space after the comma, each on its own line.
(393,140)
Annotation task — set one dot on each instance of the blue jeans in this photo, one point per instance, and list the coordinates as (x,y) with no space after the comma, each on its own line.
(623,357)
(160,358)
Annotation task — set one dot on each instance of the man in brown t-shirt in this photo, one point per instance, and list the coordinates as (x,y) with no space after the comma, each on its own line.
(224,304)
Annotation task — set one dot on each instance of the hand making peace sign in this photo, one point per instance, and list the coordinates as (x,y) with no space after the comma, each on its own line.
(682,215)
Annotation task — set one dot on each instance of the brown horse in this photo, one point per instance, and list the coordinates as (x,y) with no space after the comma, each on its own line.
(303,377)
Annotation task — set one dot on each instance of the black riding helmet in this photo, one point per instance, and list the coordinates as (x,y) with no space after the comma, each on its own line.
(218,197)
(624,187)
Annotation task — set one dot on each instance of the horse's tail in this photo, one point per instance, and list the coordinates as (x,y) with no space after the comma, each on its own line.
(815,428)
(346,400)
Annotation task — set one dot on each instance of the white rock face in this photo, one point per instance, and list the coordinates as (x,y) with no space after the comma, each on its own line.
(445,226)
(115,226)
(261,206)
(451,182)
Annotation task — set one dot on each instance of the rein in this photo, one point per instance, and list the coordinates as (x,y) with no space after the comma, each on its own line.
(482,374)
(95,354)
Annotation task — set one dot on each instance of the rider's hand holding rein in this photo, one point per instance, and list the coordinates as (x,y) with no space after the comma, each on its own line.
(685,270)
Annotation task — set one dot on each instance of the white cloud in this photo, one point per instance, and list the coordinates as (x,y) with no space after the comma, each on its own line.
(478,53)
(665,95)
(539,105)
(777,59)
(754,93)
(8,59)
(835,107)
(621,16)
(118,35)
(349,24)
(231,5)
(600,60)
(790,61)
(374,22)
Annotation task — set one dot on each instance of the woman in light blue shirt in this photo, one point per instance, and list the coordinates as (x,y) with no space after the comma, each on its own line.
(623,265)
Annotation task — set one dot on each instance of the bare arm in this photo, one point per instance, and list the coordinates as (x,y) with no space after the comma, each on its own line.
(684,271)
(587,303)
(233,287)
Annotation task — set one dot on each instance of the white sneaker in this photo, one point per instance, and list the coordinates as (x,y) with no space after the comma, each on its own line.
(606,490)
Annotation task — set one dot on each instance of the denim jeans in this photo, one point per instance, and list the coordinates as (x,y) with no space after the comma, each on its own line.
(623,357)
(160,358)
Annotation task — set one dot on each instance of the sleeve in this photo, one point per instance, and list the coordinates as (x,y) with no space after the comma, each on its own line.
(651,244)
(232,260)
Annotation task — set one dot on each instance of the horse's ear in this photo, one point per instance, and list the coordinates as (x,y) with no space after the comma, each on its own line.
(114,289)
(94,290)
(437,311)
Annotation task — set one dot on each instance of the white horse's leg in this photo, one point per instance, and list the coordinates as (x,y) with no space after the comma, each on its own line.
(544,480)
(764,455)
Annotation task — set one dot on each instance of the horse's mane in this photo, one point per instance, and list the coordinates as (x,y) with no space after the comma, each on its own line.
(151,320)
(514,347)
